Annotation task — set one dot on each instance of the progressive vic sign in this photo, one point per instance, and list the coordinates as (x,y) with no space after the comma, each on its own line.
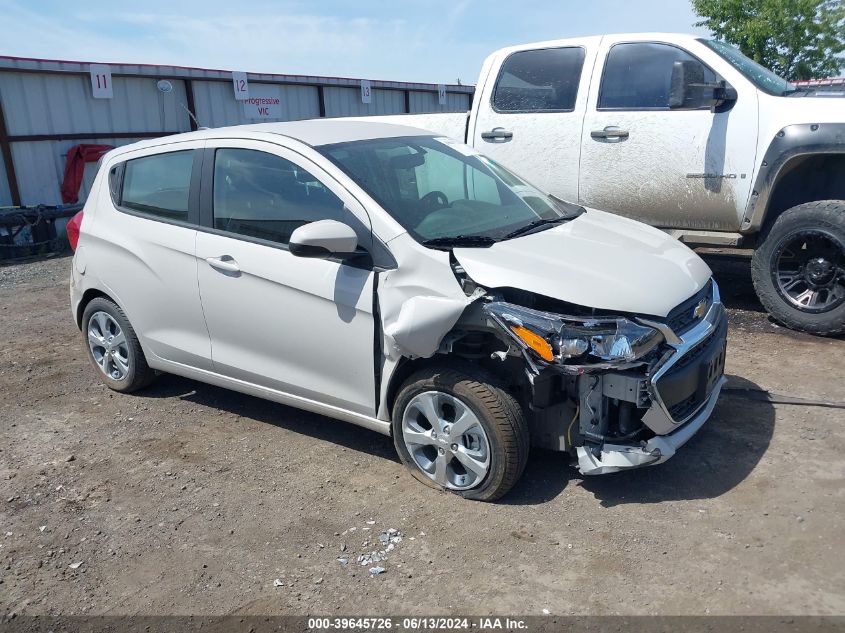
(264,102)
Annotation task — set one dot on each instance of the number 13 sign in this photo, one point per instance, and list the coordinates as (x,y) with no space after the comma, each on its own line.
(101,87)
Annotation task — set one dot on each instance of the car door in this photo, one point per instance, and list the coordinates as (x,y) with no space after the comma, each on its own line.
(529,115)
(668,167)
(297,325)
(144,251)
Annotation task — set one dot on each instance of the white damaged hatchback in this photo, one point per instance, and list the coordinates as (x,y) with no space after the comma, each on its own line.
(380,275)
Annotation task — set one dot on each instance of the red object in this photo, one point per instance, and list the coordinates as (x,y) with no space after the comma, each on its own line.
(77,156)
(73,227)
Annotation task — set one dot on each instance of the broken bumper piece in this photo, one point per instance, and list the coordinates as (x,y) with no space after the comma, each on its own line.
(615,457)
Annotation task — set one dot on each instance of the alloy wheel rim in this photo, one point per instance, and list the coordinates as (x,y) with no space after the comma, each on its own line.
(108,346)
(809,270)
(446,440)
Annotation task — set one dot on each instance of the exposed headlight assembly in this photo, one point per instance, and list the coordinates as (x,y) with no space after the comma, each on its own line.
(561,338)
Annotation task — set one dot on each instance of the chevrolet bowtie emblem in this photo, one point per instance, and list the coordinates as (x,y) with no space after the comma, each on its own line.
(700,309)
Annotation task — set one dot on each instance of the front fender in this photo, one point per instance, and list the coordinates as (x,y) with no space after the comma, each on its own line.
(792,141)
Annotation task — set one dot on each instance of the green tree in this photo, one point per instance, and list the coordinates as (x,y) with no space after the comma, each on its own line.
(797,39)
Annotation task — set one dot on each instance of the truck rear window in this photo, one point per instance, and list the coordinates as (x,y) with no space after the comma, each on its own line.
(544,80)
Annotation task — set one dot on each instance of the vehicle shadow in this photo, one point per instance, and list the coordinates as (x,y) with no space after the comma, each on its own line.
(253,408)
(733,274)
(719,457)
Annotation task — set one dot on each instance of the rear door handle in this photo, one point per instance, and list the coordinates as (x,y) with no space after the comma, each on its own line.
(497,134)
(610,133)
(224,263)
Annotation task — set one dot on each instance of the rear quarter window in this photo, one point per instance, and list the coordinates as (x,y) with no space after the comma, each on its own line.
(543,80)
(158,185)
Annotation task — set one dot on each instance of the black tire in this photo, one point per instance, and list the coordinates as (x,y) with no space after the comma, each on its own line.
(497,411)
(825,218)
(139,374)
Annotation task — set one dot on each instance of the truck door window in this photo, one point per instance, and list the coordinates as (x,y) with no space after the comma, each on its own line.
(544,80)
(638,76)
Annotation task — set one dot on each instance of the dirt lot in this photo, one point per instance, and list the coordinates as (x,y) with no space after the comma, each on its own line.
(192,499)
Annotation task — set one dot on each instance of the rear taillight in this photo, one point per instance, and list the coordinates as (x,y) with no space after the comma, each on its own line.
(73,230)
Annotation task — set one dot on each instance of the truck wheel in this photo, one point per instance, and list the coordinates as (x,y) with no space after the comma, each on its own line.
(799,269)
(457,431)
(113,347)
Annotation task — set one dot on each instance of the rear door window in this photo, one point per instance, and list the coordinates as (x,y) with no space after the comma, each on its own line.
(159,185)
(544,80)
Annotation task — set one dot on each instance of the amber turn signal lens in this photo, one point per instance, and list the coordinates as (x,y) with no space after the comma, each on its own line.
(535,342)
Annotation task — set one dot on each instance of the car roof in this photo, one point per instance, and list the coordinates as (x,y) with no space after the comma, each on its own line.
(314,132)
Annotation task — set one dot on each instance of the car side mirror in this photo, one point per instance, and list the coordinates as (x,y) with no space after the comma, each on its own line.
(689,91)
(322,239)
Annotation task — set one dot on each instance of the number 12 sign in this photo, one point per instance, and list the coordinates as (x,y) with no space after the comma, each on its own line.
(241,86)
(101,87)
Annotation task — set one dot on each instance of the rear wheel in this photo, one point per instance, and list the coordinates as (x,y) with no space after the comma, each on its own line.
(113,347)
(457,431)
(799,269)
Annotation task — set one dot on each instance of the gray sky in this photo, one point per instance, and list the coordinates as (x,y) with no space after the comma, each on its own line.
(422,40)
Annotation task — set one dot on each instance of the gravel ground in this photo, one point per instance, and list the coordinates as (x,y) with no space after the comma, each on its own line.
(189,499)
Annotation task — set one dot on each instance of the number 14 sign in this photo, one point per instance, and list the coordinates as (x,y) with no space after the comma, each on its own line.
(101,87)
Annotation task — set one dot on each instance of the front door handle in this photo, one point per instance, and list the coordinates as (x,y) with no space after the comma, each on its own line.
(497,134)
(224,263)
(610,133)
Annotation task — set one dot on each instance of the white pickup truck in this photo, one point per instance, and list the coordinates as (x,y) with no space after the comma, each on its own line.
(683,133)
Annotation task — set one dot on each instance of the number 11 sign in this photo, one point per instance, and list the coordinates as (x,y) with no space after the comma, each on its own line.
(101,87)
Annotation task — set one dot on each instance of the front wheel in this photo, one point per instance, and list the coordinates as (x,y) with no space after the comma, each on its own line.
(457,431)
(799,269)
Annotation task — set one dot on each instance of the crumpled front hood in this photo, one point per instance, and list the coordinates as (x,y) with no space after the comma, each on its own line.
(598,260)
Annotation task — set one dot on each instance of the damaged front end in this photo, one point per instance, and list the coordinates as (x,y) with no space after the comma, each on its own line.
(617,391)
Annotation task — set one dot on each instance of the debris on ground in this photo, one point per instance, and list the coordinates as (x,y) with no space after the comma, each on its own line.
(388,539)
(375,571)
(75,565)
(278,582)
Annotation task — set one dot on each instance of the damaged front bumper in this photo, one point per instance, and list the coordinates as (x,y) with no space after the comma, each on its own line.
(683,389)
(615,457)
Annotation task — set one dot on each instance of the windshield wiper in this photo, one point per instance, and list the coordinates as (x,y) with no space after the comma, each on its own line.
(459,240)
(534,225)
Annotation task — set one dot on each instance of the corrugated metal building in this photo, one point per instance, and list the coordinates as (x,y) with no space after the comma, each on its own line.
(47,106)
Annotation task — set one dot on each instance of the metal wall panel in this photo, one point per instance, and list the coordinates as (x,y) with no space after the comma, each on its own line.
(347,102)
(5,194)
(425,102)
(216,105)
(50,98)
(59,104)
(40,166)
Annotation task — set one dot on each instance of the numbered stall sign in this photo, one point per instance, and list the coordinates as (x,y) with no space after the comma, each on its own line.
(241,86)
(101,87)
(441,94)
(366,91)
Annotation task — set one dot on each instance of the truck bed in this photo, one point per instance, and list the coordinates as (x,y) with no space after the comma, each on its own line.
(451,124)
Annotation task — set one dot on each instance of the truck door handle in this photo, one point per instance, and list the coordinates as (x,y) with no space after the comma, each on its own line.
(224,263)
(610,133)
(497,134)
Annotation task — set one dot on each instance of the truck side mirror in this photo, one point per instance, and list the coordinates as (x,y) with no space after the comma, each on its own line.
(689,91)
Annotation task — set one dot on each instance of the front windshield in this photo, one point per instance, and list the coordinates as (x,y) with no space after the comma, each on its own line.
(441,191)
(760,76)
